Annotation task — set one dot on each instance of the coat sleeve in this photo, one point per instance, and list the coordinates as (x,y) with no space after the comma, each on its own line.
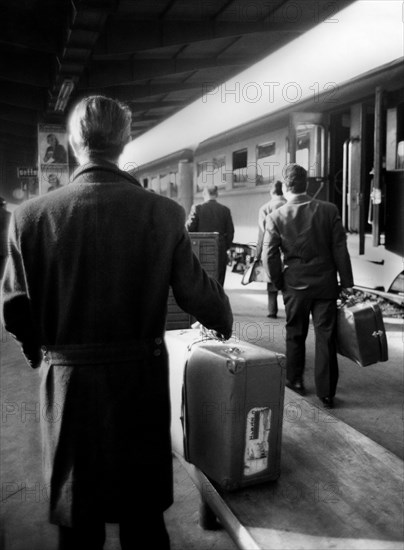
(16,311)
(271,253)
(340,251)
(192,222)
(197,293)
(229,230)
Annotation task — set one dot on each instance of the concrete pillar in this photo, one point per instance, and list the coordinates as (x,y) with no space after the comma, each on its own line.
(186,185)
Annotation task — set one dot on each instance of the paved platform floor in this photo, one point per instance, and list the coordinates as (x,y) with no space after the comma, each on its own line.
(369,399)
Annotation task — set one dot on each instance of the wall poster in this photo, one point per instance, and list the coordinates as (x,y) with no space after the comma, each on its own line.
(53,161)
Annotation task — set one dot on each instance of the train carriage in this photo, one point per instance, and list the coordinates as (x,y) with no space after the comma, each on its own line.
(349,137)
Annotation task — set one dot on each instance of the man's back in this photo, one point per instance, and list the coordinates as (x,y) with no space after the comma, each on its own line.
(313,244)
(100,258)
(212,216)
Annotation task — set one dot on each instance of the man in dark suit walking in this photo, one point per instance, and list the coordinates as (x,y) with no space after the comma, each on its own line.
(85,291)
(211,216)
(312,239)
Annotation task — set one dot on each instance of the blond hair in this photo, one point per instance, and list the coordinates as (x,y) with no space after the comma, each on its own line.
(100,126)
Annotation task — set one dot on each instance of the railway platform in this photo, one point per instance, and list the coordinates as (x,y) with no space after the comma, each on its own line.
(369,408)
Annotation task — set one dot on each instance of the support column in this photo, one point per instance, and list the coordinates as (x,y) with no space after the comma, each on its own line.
(186,185)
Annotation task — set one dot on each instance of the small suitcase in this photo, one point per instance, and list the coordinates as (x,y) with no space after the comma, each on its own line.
(227,407)
(361,335)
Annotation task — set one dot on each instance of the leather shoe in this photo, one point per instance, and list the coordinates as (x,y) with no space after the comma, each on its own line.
(328,402)
(272,316)
(297,386)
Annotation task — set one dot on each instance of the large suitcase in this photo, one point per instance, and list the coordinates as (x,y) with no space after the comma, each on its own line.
(206,247)
(227,407)
(361,335)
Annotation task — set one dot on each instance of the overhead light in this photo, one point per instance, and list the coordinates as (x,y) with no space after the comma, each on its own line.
(64,94)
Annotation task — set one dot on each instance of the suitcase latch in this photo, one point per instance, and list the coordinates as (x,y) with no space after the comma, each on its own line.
(235,363)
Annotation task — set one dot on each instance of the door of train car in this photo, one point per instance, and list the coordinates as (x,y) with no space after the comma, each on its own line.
(355,167)
(308,146)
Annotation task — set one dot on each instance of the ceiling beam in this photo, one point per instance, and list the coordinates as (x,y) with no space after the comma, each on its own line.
(33,29)
(86,23)
(21,68)
(18,129)
(110,73)
(137,91)
(158,104)
(29,97)
(18,114)
(125,37)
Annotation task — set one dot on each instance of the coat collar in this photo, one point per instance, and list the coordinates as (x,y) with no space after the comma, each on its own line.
(299,199)
(101,171)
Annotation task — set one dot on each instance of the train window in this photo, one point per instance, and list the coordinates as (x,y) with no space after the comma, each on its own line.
(240,168)
(265,163)
(310,148)
(395,138)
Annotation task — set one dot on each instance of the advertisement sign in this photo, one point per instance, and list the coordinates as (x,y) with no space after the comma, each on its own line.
(53,161)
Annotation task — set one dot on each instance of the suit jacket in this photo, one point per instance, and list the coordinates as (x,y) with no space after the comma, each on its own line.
(276,202)
(212,216)
(91,265)
(312,239)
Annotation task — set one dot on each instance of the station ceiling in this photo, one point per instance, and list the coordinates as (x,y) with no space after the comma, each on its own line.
(158,56)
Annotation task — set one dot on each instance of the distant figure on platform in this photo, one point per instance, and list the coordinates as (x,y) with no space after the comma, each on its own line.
(85,292)
(275,202)
(211,216)
(310,235)
(4,223)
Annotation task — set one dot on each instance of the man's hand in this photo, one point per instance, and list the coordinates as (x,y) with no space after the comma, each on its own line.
(346,294)
(210,334)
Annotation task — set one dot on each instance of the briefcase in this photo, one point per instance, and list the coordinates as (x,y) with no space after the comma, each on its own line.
(227,407)
(361,335)
(255,272)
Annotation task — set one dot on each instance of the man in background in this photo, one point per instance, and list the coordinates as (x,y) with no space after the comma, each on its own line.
(308,233)
(277,200)
(211,216)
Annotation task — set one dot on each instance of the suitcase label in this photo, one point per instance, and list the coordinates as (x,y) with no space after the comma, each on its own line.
(258,427)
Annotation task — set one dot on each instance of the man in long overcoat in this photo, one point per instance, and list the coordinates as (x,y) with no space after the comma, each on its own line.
(85,292)
(211,216)
(310,235)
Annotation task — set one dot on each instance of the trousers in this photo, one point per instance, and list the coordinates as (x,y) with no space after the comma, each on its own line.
(135,533)
(324,314)
(272,299)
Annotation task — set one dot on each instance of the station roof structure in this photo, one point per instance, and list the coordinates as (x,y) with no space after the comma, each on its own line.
(156,56)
